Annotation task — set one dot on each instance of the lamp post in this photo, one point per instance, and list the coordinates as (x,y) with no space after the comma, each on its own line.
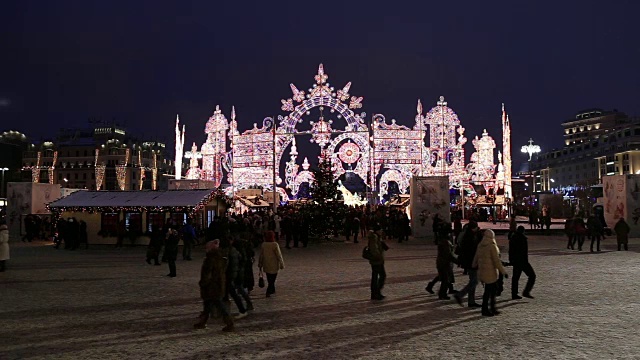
(2,183)
(530,149)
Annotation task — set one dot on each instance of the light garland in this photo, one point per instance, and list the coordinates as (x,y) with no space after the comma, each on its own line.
(121,171)
(99,170)
(154,172)
(51,169)
(35,171)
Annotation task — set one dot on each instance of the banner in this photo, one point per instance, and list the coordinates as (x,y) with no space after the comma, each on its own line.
(429,196)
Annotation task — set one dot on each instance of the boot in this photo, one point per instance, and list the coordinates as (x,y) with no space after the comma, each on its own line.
(228,320)
(429,288)
(202,321)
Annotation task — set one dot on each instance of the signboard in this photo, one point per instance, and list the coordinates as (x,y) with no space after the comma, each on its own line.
(429,196)
(24,198)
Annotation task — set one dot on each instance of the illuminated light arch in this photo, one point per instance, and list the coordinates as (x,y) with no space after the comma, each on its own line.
(320,95)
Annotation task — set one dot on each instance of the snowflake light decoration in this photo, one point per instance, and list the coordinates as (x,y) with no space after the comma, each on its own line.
(349,153)
(321,132)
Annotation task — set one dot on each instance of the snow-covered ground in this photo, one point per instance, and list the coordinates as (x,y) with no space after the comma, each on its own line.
(104,303)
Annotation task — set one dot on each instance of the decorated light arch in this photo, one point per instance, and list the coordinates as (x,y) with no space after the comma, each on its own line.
(378,152)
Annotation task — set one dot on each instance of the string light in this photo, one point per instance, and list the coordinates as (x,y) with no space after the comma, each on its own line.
(121,171)
(52,167)
(99,170)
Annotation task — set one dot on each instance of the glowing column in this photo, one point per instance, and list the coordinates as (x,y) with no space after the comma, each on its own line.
(179,148)
(506,153)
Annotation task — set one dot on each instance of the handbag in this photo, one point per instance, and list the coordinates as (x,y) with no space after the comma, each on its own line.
(261,280)
(366,253)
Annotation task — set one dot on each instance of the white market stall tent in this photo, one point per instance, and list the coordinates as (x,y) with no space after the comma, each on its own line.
(139,210)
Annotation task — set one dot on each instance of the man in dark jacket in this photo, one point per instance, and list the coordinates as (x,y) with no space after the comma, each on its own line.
(595,231)
(444,265)
(171,250)
(233,268)
(188,239)
(466,252)
(519,258)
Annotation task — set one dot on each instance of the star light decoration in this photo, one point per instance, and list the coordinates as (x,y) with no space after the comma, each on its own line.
(321,131)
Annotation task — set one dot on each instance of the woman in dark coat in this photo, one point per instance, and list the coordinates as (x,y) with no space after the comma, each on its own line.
(171,250)
(213,275)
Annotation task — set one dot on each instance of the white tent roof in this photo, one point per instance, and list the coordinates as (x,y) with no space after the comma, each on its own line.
(165,198)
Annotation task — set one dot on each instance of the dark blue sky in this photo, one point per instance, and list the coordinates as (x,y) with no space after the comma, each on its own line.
(144,61)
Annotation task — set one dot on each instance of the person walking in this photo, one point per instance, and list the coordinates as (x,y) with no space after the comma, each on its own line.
(155,245)
(569,230)
(467,246)
(595,231)
(622,229)
(188,239)
(519,259)
(487,260)
(580,231)
(378,274)
(212,286)
(233,269)
(444,264)
(4,246)
(171,250)
(355,228)
(270,261)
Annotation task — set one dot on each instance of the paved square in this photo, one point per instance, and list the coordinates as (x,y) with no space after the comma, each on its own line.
(103,303)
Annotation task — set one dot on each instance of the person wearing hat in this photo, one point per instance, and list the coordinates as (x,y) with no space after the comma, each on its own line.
(4,246)
(519,258)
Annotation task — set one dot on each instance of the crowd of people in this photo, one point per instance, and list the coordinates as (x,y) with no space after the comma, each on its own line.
(231,244)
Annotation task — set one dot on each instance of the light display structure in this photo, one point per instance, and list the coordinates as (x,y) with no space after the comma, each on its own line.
(214,150)
(506,154)
(378,154)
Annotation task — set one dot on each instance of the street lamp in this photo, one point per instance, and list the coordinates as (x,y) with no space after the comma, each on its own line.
(2,183)
(530,149)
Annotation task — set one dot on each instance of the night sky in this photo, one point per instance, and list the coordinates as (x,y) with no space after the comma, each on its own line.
(144,61)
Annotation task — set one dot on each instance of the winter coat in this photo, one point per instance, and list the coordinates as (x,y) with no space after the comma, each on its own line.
(487,259)
(233,263)
(171,245)
(518,250)
(213,276)
(467,247)
(622,230)
(4,243)
(594,226)
(271,258)
(445,260)
(376,249)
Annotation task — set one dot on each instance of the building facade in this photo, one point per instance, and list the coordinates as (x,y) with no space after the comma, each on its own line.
(597,143)
(104,158)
